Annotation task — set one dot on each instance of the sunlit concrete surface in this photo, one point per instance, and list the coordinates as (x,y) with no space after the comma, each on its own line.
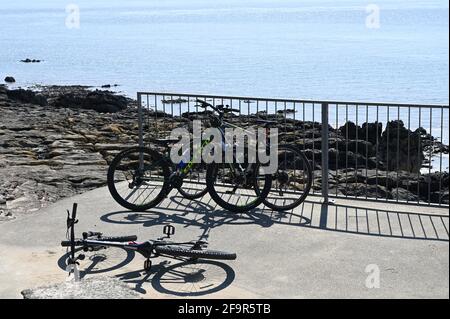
(348,249)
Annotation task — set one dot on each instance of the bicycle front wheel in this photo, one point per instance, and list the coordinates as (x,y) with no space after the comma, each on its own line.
(194,182)
(235,190)
(138,178)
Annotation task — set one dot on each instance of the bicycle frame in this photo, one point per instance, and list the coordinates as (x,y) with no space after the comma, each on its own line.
(146,249)
(186,168)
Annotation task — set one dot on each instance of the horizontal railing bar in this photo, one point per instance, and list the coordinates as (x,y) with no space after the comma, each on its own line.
(298,101)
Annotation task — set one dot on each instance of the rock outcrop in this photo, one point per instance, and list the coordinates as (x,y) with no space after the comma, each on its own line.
(59,141)
(48,152)
(100,101)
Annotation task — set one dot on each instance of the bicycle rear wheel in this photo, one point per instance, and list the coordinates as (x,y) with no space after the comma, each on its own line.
(177,251)
(292,181)
(138,178)
(194,186)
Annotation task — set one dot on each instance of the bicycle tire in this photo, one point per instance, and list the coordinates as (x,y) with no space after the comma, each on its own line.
(195,168)
(306,189)
(177,251)
(193,196)
(121,239)
(158,198)
(211,176)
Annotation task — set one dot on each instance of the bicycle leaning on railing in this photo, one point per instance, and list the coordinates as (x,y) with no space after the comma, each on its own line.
(139,178)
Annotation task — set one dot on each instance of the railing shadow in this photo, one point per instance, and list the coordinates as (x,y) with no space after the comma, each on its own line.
(334,217)
(381,222)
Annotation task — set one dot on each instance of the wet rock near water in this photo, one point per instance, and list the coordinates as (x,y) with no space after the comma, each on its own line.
(27,96)
(100,101)
(10,79)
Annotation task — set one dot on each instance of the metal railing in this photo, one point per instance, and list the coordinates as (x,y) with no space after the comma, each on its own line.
(369,151)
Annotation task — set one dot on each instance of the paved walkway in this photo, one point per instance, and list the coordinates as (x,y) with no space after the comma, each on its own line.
(317,251)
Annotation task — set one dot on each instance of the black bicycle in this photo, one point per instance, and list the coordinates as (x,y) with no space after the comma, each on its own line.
(139,178)
(162,247)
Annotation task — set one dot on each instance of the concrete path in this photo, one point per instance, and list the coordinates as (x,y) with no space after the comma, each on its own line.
(317,251)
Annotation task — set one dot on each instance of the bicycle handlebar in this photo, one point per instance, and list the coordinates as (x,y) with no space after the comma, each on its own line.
(205,104)
(221,109)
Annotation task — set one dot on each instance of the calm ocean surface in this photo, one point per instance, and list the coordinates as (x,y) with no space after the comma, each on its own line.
(314,49)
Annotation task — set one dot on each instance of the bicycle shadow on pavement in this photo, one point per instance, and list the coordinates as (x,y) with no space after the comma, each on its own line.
(203,215)
(99,262)
(182,278)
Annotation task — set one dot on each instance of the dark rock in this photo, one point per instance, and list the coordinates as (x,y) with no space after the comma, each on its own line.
(402,194)
(10,79)
(363,190)
(105,102)
(27,96)
(27,60)
(106,86)
(349,130)
(100,101)
(370,132)
(359,146)
(400,148)
(287,111)
(338,159)
(174,101)
(424,185)
(440,197)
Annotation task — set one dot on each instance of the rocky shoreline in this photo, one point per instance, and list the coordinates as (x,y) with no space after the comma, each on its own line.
(57,141)
(51,148)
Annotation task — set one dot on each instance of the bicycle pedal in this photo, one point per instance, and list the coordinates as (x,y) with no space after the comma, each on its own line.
(168,230)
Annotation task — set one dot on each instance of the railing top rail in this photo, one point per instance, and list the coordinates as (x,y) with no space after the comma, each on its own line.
(390,104)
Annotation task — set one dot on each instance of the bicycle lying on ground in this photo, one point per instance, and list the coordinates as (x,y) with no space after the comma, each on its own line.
(162,247)
(148,177)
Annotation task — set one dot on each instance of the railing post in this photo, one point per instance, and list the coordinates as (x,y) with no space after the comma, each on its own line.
(141,130)
(324,143)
